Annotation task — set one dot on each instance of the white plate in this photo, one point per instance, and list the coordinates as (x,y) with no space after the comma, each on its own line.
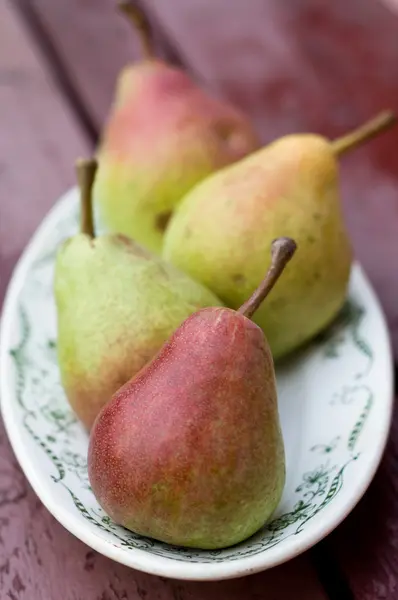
(335,403)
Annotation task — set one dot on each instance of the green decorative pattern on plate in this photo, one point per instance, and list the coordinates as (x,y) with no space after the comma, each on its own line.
(317,489)
(327,405)
(348,324)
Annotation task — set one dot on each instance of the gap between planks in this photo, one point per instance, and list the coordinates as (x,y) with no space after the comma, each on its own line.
(86,64)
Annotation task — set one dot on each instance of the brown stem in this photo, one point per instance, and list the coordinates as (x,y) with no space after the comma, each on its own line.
(141,24)
(85,171)
(282,250)
(365,132)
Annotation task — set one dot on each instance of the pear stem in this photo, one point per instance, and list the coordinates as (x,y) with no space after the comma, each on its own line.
(85,171)
(365,132)
(141,24)
(282,250)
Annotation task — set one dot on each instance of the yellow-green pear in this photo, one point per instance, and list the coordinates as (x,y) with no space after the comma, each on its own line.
(164,134)
(223,228)
(116,306)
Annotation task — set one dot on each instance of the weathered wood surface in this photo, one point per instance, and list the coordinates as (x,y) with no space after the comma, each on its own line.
(39,560)
(366,543)
(38,143)
(309,65)
(92,42)
(391,4)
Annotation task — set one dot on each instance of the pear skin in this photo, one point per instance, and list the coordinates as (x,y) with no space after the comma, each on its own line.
(223,229)
(190,451)
(116,306)
(163,135)
(220,233)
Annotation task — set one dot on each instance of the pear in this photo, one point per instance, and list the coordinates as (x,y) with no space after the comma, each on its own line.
(222,230)
(190,451)
(163,135)
(116,306)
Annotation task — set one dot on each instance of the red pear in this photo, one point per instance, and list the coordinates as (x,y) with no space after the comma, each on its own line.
(190,451)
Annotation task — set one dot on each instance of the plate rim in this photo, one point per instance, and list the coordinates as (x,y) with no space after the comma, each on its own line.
(137,558)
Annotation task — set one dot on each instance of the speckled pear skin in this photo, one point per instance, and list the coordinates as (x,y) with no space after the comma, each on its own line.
(163,135)
(190,451)
(222,231)
(116,306)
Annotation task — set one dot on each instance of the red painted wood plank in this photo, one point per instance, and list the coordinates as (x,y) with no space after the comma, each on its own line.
(94,42)
(38,142)
(39,560)
(392,4)
(310,65)
(367,541)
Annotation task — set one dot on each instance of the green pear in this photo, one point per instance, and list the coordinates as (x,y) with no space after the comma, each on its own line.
(163,135)
(190,451)
(222,230)
(116,305)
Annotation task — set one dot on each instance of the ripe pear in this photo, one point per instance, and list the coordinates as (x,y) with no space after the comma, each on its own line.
(116,306)
(190,451)
(164,134)
(222,230)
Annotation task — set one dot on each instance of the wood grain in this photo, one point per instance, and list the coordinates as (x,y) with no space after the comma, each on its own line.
(93,43)
(366,543)
(392,4)
(38,143)
(309,65)
(39,560)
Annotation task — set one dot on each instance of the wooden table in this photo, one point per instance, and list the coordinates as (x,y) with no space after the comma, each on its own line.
(293,65)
